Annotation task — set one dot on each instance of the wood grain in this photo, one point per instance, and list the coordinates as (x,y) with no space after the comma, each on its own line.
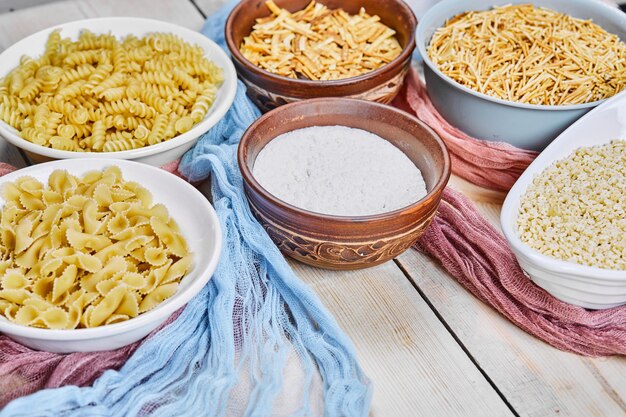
(17,25)
(407,349)
(7,6)
(416,366)
(536,379)
(180,12)
(208,7)
(411,358)
(11,155)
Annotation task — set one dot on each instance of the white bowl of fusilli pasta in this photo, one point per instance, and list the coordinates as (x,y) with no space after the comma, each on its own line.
(113,255)
(120,87)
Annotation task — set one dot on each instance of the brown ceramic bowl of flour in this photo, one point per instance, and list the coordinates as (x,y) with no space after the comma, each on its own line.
(269,90)
(345,242)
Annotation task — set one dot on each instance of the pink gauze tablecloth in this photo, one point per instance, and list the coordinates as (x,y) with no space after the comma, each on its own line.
(24,371)
(493,165)
(467,246)
(479,257)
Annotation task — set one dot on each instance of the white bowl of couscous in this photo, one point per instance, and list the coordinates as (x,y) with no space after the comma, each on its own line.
(586,265)
(119,27)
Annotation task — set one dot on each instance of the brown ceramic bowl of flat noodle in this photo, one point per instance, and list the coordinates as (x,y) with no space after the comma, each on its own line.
(269,90)
(341,242)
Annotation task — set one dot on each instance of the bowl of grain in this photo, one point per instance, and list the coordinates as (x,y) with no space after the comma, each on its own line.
(285,51)
(115,87)
(507,70)
(341,183)
(564,217)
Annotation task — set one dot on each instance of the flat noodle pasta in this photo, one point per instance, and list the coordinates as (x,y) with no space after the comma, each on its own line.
(530,55)
(98,253)
(101,94)
(318,43)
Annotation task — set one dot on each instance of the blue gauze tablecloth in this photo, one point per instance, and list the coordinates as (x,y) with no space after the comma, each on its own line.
(246,323)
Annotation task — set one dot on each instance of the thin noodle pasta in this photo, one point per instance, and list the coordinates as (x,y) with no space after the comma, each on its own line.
(530,55)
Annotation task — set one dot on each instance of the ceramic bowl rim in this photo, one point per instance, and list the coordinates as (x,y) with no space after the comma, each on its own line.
(219,111)
(178,300)
(444,4)
(251,181)
(532,255)
(405,54)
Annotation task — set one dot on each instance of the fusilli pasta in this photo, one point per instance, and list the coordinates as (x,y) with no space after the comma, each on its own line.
(150,89)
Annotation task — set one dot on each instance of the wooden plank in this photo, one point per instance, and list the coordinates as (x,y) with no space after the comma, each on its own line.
(7,6)
(536,379)
(409,341)
(416,366)
(17,25)
(180,12)
(11,155)
(208,7)
(411,358)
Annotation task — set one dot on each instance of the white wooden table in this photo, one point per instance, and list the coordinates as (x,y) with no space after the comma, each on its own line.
(430,348)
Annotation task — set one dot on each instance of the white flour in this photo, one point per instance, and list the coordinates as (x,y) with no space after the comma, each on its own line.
(338,170)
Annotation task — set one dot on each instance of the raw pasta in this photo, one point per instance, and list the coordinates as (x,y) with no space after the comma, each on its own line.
(101,94)
(85,252)
(319,43)
(530,54)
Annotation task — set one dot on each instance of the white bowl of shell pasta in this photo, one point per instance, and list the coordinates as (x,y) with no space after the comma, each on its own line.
(97,253)
(118,87)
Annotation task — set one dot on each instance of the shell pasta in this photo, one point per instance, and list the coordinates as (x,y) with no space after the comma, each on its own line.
(101,94)
(85,252)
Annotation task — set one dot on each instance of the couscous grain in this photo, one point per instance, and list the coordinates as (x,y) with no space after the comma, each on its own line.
(575,210)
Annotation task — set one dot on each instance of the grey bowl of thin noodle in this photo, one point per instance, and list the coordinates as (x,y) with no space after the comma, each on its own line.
(524,125)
